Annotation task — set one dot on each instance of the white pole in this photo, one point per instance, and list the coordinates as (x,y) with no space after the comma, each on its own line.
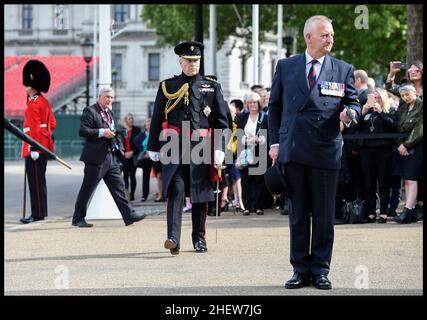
(95,51)
(255,44)
(104,46)
(279,31)
(212,30)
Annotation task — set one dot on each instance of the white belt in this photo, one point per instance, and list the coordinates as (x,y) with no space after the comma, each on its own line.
(43,125)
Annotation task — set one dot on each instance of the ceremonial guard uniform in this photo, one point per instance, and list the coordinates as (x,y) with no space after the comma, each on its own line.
(39,121)
(198,100)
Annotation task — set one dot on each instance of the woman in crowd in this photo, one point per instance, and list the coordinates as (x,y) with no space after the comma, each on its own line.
(376,154)
(410,120)
(129,169)
(415,77)
(234,173)
(253,185)
(146,163)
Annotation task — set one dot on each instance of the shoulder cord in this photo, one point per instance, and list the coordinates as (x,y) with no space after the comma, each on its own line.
(183,91)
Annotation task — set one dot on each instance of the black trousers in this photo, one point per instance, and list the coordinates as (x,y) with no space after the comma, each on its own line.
(376,167)
(109,170)
(147,164)
(36,174)
(175,204)
(313,190)
(129,172)
(253,190)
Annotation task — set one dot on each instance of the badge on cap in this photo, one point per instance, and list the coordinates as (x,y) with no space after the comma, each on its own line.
(334,89)
(192,48)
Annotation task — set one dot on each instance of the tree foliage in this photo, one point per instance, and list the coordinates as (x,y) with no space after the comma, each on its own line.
(371,49)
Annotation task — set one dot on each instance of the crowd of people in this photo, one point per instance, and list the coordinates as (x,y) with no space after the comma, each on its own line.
(372,168)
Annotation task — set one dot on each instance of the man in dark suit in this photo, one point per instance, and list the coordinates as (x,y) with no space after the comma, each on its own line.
(101,154)
(308,95)
(197,102)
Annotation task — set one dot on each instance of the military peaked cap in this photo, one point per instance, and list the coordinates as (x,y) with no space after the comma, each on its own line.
(189,49)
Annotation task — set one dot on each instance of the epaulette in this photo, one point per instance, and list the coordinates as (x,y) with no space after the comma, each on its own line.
(210,79)
(171,78)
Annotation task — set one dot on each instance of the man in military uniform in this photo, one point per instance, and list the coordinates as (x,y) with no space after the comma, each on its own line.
(39,121)
(198,102)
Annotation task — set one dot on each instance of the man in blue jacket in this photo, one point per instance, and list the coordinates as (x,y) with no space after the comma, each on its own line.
(310,94)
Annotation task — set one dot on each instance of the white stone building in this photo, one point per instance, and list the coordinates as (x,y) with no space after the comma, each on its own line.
(139,63)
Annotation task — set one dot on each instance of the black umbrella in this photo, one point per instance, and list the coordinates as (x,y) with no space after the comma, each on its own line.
(15,130)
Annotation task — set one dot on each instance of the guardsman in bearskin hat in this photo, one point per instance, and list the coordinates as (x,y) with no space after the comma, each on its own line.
(39,121)
(198,101)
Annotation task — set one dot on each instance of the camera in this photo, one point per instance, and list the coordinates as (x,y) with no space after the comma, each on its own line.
(400,65)
(115,145)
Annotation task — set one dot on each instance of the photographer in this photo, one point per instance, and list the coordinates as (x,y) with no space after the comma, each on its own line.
(376,154)
(102,154)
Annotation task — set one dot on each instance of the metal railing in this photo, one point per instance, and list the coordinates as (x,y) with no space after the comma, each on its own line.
(63,148)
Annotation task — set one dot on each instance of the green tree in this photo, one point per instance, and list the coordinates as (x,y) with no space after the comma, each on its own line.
(370,47)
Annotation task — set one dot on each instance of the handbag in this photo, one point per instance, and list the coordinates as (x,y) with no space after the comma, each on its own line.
(356,212)
(245,158)
(139,159)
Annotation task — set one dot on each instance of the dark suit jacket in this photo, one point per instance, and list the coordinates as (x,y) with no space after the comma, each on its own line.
(305,122)
(95,149)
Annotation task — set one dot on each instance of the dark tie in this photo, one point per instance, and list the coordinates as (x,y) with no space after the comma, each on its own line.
(312,74)
(107,116)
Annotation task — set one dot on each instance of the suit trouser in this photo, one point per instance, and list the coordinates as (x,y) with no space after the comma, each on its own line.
(109,170)
(312,190)
(36,173)
(175,204)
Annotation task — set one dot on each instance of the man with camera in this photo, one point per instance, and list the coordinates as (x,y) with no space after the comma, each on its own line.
(102,154)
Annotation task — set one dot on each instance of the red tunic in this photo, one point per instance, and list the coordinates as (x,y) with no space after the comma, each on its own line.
(39,121)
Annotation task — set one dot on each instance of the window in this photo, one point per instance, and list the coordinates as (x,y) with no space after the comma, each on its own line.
(27,16)
(153,66)
(121,12)
(117,67)
(150,109)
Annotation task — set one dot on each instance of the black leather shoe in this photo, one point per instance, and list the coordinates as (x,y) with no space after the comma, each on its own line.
(246,212)
(200,247)
(260,212)
(322,282)
(406,216)
(418,216)
(82,224)
(135,218)
(298,280)
(30,219)
(382,220)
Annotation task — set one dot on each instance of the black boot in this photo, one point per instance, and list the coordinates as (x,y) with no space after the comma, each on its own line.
(418,213)
(406,216)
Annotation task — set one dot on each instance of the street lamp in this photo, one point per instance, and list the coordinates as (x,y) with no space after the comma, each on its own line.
(288,40)
(87,49)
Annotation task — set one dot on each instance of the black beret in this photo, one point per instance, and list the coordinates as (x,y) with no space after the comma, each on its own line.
(189,49)
(36,75)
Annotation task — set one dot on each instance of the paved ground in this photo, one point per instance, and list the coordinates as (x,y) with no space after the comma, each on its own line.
(251,256)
